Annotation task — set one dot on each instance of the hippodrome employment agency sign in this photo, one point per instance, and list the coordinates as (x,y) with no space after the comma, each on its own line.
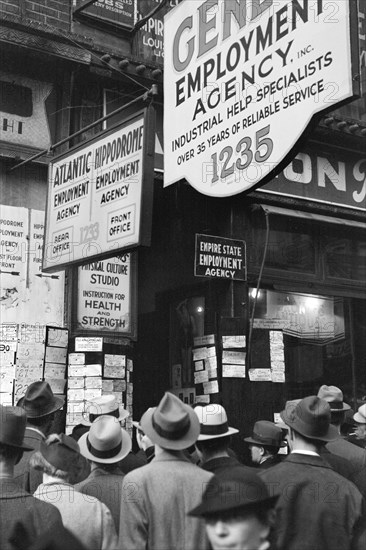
(220,258)
(244,79)
(94,197)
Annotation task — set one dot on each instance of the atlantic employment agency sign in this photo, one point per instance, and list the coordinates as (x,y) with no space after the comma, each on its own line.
(94,197)
(244,79)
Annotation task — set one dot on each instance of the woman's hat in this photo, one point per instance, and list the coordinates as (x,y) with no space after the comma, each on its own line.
(60,453)
(233,489)
(105,404)
(12,427)
(106,442)
(311,418)
(333,396)
(213,422)
(266,433)
(360,415)
(172,424)
(39,400)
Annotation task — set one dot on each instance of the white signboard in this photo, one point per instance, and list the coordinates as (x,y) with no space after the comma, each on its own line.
(94,197)
(244,79)
(104,295)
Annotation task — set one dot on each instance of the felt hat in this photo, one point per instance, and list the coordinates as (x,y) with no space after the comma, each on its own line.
(106,442)
(138,424)
(105,404)
(172,424)
(39,400)
(333,396)
(360,415)
(234,489)
(12,427)
(266,433)
(213,422)
(60,453)
(311,418)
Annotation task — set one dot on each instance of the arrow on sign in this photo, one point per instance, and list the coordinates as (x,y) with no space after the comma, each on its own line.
(10,272)
(49,276)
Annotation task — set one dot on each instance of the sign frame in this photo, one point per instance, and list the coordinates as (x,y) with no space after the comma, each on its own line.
(225,241)
(182,148)
(147,115)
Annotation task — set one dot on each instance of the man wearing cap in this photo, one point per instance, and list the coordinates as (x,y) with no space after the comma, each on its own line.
(157,497)
(213,443)
(318,508)
(341,449)
(19,510)
(105,445)
(40,405)
(237,510)
(264,443)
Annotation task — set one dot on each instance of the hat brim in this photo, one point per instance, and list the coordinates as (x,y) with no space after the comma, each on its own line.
(23,447)
(204,437)
(331,435)
(184,442)
(125,449)
(359,418)
(345,407)
(215,506)
(54,406)
(123,414)
(261,444)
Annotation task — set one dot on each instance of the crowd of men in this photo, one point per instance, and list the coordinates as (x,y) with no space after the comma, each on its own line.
(185,489)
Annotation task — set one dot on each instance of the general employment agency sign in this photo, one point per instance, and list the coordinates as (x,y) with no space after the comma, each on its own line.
(242,81)
(94,197)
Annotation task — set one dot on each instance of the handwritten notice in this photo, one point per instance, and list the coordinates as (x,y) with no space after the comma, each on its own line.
(114,360)
(203,353)
(130,387)
(57,385)
(107,386)
(53,370)
(211,387)
(30,351)
(199,365)
(130,365)
(211,362)
(212,372)
(260,375)
(56,355)
(6,399)
(233,357)
(119,385)
(29,371)
(205,399)
(93,383)
(75,383)
(83,343)
(204,340)
(176,375)
(111,371)
(58,337)
(7,371)
(200,377)
(6,384)
(237,341)
(21,386)
(76,358)
(233,371)
(91,394)
(94,369)
(278,376)
(76,394)
(76,406)
(76,370)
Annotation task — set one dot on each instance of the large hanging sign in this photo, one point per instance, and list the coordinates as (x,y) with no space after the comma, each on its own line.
(97,194)
(244,79)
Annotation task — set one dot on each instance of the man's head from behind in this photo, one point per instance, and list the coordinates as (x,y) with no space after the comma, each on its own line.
(12,429)
(40,405)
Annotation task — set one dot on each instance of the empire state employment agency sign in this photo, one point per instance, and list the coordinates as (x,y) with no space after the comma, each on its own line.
(95,196)
(245,78)
(220,258)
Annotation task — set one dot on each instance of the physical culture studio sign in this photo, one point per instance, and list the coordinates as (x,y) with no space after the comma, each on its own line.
(244,79)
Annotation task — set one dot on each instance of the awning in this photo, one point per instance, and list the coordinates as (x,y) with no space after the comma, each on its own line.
(311,216)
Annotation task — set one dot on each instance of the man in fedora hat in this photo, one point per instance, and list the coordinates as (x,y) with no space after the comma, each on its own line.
(157,497)
(40,405)
(264,444)
(359,436)
(347,459)
(238,510)
(19,510)
(213,443)
(317,507)
(104,446)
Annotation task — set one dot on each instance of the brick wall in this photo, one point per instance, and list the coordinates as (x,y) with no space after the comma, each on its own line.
(56,13)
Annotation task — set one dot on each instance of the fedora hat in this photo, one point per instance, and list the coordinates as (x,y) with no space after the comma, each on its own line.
(39,400)
(12,427)
(311,418)
(172,424)
(213,422)
(106,442)
(234,489)
(333,396)
(61,452)
(105,404)
(360,415)
(266,433)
